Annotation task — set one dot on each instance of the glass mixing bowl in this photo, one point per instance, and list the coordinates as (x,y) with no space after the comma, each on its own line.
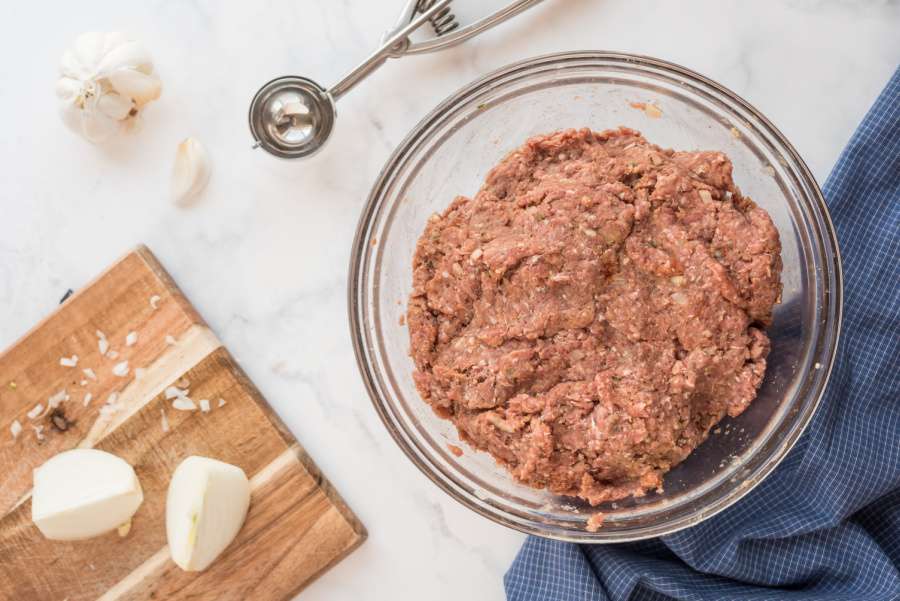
(450,152)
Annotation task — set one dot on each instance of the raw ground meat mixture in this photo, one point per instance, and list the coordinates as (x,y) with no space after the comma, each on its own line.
(594,310)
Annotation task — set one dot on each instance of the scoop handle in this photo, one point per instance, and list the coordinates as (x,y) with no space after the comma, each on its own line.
(392,47)
(458,36)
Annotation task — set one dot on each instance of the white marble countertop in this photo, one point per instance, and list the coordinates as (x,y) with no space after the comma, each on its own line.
(264,253)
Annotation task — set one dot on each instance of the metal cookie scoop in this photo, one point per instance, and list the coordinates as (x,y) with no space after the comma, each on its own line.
(292,116)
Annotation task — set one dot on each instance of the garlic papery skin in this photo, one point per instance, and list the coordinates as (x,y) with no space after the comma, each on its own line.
(105,81)
(191,171)
(205,508)
(83,493)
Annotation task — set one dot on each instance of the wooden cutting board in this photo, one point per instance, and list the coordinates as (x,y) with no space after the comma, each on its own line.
(297,527)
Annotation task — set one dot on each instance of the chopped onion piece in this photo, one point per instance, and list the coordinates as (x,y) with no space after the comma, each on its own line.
(87,399)
(173,392)
(54,401)
(204,405)
(184,404)
(154,302)
(38,432)
(69,361)
(131,338)
(221,402)
(15,428)
(112,354)
(89,373)
(121,369)
(103,345)
(38,409)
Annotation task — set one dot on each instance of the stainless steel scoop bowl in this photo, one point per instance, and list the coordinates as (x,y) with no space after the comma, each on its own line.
(292,117)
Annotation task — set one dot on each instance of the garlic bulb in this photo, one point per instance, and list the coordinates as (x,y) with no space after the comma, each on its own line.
(105,81)
(191,171)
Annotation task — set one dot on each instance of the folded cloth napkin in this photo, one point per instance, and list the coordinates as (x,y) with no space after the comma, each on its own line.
(825,525)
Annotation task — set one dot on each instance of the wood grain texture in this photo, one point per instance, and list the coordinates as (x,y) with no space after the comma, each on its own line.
(297,526)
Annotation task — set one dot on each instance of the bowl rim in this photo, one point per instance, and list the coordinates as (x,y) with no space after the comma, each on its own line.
(826,345)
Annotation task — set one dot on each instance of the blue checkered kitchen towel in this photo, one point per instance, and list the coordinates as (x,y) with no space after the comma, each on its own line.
(825,525)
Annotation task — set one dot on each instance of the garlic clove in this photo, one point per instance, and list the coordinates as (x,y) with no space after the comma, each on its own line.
(191,171)
(93,125)
(114,106)
(88,50)
(128,54)
(206,505)
(83,493)
(68,89)
(70,66)
(142,88)
(114,39)
(97,127)
(111,41)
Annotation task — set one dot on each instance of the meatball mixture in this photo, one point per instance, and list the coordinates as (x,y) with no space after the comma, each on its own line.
(594,310)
